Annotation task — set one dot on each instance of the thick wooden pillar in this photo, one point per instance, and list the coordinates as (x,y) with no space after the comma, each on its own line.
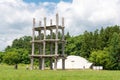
(56,43)
(33,35)
(55,63)
(51,46)
(44,45)
(32,63)
(40,64)
(33,48)
(40,47)
(63,45)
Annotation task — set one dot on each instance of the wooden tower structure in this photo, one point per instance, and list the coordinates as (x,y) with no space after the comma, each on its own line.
(42,41)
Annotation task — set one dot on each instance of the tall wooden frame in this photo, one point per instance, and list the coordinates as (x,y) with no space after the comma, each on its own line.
(42,44)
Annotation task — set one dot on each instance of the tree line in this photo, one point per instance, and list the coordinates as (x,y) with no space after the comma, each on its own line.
(101,47)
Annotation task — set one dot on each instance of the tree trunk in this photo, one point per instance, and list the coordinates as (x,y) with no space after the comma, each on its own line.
(16,66)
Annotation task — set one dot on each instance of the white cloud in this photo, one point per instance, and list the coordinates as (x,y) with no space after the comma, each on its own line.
(80,15)
(91,14)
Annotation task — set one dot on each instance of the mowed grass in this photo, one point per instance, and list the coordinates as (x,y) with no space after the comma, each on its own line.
(9,73)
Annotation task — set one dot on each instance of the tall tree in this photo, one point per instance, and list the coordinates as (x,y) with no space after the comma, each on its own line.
(86,45)
(114,48)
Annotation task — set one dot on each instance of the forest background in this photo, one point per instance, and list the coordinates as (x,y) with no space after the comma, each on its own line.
(101,47)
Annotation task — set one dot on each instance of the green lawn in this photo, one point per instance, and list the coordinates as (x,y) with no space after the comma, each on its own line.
(8,73)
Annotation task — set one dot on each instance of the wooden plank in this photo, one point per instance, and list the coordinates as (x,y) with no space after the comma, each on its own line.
(48,27)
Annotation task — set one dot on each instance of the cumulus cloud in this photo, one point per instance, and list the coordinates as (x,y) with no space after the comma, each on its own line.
(93,14)
(80,15)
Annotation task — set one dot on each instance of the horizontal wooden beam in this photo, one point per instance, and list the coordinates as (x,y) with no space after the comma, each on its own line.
(47,40)
(48,27)
(47,56)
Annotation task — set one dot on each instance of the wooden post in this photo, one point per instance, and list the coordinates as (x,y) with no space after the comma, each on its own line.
(56,43)
(40,64)
(63,45)
(55,63)
(51,46)
(33,35)
(40,47)
(44,28)
(39,35)
(33,48)
(40,51)
(44,45)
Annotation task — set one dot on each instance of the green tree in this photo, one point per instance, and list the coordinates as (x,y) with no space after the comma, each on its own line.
(101,58)
(22,43)
(97,41)
(22,46)
(114,49)
(24,56)
(70,46)
(73,45)
(11,57)
(86,45)
(67,35)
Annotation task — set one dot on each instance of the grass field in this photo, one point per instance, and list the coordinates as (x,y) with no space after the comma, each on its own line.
(9,73)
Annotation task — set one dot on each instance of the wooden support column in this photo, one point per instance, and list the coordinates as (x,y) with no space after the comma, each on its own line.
(55,63)
(63,45)
(33,48)
(56,43)
(40,63)
(32,63)
(44,45)
(33,35)
(40,47)
(51,46)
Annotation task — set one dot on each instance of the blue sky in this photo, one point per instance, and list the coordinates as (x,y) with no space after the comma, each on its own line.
(55,1)
(80,15)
